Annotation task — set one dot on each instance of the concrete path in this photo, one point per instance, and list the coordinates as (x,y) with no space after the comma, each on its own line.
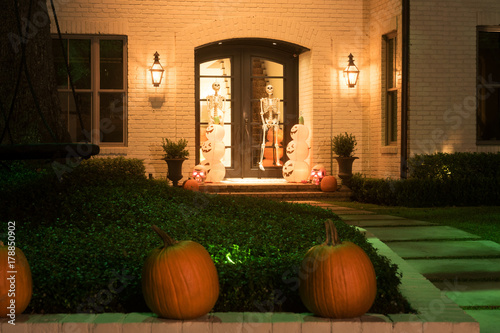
(464,267)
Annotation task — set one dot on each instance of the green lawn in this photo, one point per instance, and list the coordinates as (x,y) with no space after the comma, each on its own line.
(483,221)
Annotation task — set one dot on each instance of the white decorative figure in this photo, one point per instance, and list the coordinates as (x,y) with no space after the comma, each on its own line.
(270,116)
(214,148)
(297,150)
(216,103)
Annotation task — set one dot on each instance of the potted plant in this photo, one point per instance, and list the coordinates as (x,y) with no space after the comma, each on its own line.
(175,154)
(344,145)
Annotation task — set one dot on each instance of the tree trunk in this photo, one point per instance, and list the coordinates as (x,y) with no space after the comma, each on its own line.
(30,110)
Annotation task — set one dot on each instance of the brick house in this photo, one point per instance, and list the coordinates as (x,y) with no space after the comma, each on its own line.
(429,76)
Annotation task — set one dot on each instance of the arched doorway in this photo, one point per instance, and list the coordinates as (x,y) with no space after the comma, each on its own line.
(243,68)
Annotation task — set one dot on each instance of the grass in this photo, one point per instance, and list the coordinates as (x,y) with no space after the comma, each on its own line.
(483,221)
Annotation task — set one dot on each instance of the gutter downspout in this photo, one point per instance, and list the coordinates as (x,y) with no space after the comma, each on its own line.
(404,86)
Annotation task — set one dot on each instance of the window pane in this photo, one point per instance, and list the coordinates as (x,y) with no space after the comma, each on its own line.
(488,119)
(206,88)
(111,64)
(59,65)
(216,67)
(489,56)
(264,67)
(392,104)
(390,63)
(70,117)
(80,62)
(111,117)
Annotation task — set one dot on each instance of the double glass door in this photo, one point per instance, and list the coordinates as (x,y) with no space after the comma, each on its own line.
(242,73)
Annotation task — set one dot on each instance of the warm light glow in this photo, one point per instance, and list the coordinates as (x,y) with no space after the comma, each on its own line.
(351,73)
(156,71)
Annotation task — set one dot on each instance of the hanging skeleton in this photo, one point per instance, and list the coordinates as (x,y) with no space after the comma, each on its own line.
(270,116)
(216,103)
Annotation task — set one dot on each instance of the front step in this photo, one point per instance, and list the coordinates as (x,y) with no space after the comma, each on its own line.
(275,190)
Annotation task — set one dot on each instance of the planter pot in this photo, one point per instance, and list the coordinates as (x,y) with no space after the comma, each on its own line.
(174,172)
(345,169)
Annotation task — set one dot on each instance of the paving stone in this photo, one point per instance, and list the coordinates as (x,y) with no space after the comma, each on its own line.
(472,293)
(389,223)
(489,320)
(419,233)
(461,269)
(478,248)
(356,212)
(369,216)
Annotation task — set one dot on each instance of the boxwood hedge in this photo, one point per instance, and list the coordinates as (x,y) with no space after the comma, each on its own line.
(86,238)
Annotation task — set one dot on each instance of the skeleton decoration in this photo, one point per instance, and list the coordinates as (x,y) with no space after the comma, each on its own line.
(297,150)
(216,106)
(270,116)
(214,148)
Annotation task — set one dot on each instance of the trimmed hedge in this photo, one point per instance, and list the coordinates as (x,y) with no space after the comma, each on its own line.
(459,179)
(86,242)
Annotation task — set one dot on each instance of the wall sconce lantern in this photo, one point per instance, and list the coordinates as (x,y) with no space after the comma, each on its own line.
(157,71)
(351,73)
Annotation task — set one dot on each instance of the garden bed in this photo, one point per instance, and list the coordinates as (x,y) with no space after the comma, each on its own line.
(86,238)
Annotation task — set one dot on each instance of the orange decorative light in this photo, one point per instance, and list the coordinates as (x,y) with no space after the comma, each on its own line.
(351,73)
(157,71)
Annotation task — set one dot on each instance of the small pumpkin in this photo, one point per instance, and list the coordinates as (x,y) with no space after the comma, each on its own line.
(329,184)
(179,279)
(191,184)
(337,279)
(21,281)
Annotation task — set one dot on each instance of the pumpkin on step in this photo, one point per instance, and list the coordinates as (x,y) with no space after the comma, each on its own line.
(191,184)
(22,288)
(179,279)
(337,279)
(329,184)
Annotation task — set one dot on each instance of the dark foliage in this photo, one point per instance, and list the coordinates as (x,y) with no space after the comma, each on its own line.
(459,179)
(86,239)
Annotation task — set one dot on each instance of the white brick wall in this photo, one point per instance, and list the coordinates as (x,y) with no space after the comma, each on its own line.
(442,114)
(443,36)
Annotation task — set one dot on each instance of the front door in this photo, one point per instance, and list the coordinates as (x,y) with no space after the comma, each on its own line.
(242,72)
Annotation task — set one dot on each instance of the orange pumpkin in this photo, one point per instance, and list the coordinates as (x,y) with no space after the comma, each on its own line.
(337,279)
(179,279)
(16,285)
(191,184)
(329,184)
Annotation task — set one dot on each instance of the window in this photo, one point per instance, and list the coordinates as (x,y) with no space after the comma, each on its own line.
(98,71)
(488,85)
(389,86)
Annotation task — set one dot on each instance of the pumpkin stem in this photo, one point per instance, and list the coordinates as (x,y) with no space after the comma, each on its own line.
(1,243)
(332,237)
(167,240)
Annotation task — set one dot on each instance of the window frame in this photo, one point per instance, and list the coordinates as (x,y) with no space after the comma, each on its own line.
(389,91)
(482,83)
(95,89)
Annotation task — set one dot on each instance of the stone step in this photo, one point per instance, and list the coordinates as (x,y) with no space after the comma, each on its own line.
(389,223)
(373,217)
(290,195)
(489,320)
(457,269)
(429,249)
(391,234)
(472,293)
(272,187)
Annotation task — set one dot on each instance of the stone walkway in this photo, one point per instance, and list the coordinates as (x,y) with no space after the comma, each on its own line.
(461,264)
